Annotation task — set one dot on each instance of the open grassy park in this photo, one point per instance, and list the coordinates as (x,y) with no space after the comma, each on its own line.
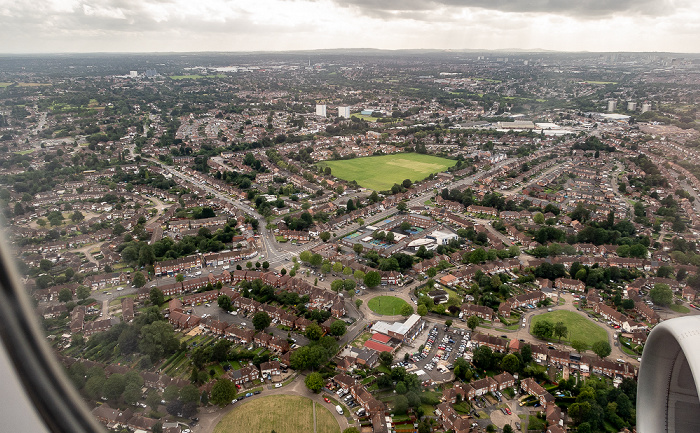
(195,77)
(386,305)
(580,328)
(380,173)
(281,413)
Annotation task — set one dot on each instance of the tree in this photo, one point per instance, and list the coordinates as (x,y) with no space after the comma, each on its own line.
(337,267)
(316,260)
(538,218)
(507,429)
(45,265)
(359,275)
(560,330)
(65,295)
(406,310)
(305,256)
(351,430)
(114,386)
(139,280)
(94,387)
(400,404)
(661,294)
(386,358)
(483,357)
(601,348)
(83,292)
(153,399)
(158,340)
(425,426)
(325,236)
(156,296)
(543,329)
(132,393)
(422,310)
(314,381)
(189,394)
(402,207)
(372,279)
(338,328)
(358,248)
(261,320)
(313,332)
(510,363)
(223,392)
(179,278)
(219,351)
(349,285)
(579,346)
(472,322)
(224,303)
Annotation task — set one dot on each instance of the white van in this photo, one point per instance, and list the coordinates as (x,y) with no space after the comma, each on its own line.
(339,410)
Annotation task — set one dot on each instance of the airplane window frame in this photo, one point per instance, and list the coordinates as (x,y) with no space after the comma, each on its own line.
(55,399)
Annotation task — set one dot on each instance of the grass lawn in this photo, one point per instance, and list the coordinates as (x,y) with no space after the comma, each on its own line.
(580,328)
(386,305)
(535,423)
(281,413)
(382,172)
(24,152)
(195,77)
(360,340)
(364,117)
(679,308)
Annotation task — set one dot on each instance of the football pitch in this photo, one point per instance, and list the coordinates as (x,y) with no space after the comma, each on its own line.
(279,413)
(380,173)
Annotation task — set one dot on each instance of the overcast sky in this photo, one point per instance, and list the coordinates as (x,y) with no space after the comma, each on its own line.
(274,25)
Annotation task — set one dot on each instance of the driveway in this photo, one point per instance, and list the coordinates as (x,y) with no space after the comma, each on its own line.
(501,419)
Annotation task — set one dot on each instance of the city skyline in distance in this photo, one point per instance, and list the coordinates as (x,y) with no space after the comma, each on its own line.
(64,26)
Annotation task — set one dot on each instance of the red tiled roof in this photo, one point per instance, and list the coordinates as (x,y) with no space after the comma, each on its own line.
(381,338)
(379,347)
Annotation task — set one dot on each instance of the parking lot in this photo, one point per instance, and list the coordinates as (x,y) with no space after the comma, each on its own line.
(243,321)
(441,348)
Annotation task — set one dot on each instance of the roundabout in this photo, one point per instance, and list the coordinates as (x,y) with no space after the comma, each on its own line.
(281,413)
(386,305)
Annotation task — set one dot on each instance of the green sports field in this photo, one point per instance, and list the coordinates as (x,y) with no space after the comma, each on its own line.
(386,305)
(380,173)
(580,328)
(281,413)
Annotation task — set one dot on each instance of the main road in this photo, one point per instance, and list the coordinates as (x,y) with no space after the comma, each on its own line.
(275,253)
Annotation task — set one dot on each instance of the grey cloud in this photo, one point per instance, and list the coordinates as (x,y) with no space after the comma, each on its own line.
(112,20)
(585,9)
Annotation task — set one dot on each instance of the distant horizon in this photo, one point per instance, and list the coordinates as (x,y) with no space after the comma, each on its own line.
(515,51)
(154,26)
